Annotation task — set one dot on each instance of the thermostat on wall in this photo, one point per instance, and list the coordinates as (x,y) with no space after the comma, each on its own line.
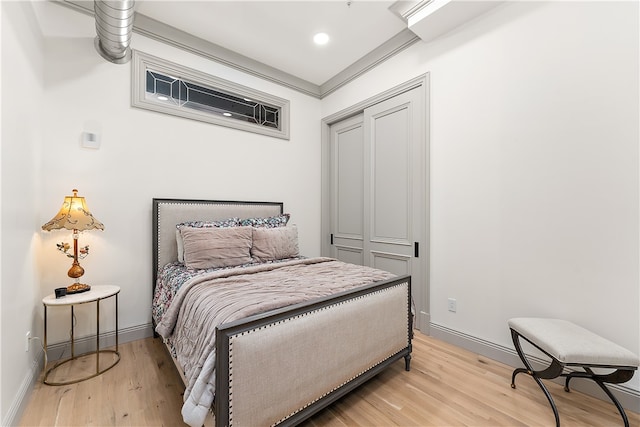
(90,140)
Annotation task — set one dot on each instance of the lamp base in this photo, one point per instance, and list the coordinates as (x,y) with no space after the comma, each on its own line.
(76,288)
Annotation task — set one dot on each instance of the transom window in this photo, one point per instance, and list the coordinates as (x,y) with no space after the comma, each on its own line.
(166,87)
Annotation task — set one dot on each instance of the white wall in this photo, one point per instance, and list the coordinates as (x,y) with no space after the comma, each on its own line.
(534,166)
(22,92)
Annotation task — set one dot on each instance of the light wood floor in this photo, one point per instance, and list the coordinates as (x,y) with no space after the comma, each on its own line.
(447,386)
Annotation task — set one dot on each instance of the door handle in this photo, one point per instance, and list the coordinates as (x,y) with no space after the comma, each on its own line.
(416,250)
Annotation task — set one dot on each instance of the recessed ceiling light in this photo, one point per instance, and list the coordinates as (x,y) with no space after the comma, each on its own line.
(162,98)
(321,38)
(226,114)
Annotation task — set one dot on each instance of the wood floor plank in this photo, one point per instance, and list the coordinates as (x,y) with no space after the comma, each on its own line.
(447,386)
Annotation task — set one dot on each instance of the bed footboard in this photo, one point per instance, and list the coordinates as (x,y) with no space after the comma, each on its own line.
(283,366)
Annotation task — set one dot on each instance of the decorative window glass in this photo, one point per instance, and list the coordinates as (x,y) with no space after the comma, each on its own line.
(166,87)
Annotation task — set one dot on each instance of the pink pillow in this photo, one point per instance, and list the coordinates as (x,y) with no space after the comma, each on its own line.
(274,243)
(216,247)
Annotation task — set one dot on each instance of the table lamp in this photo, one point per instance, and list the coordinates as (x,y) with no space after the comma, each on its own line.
(74,215)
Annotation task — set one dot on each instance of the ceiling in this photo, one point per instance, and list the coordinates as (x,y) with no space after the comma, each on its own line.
(274,39)
(280,33)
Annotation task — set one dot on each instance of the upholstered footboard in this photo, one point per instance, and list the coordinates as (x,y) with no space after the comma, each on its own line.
(285,365)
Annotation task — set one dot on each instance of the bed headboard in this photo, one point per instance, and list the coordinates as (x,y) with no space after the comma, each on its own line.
(169,212)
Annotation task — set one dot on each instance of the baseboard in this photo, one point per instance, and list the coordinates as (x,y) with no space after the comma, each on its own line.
(13,415)
(628,397)
(60,350)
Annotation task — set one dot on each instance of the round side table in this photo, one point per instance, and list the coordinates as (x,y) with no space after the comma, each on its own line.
(96,294)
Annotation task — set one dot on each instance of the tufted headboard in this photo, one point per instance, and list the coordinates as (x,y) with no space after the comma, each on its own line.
(169,212)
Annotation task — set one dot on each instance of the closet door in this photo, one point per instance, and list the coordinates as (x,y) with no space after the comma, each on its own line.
(376,187)
(393,188)
(347,190)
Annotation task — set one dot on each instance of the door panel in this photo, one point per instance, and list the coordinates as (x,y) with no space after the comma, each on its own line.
(347,140)
(391,142)
(391,176)
(350,255)
(392,263)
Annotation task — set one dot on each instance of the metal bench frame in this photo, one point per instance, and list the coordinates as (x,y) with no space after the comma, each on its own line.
(555,369)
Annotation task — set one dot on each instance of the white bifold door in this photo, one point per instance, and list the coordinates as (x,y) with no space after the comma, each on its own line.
(378,194)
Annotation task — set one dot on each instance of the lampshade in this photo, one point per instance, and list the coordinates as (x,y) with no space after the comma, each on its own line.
(73,215)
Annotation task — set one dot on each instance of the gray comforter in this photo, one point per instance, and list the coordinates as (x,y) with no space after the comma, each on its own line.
(215,298)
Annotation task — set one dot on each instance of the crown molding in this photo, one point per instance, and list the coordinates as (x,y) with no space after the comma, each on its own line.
(171,36)
(394,45)
(177,38)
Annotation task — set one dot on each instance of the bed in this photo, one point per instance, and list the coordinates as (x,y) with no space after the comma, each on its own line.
(275,338)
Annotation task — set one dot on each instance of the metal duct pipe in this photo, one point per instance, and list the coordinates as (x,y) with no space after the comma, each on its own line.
(114,24)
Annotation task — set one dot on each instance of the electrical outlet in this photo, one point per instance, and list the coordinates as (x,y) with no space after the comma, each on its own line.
(452,305)
(27,341)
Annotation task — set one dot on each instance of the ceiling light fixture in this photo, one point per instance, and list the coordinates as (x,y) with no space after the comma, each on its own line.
(163,98)
(321,39)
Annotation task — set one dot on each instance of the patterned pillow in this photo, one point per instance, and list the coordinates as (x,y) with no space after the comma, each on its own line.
(224,223)
(229,222)
(269,222)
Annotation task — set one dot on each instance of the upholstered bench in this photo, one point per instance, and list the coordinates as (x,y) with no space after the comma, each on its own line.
(570,345)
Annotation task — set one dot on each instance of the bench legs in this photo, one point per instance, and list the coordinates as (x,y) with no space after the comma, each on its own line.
(555,370)
(617,377)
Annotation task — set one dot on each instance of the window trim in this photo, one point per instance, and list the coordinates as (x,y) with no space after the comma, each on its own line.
(141,62)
